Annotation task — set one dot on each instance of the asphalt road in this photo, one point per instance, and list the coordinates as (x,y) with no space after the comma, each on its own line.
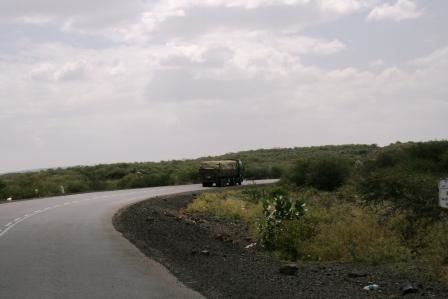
(66,247)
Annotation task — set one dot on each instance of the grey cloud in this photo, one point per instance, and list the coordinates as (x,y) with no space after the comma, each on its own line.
(211,58)
(78,16)
(250,74)
(200,19)
(55,8)
(183,85)
(217,56)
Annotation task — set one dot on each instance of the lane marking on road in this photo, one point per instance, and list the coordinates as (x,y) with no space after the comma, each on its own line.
(9,226)
(29,215)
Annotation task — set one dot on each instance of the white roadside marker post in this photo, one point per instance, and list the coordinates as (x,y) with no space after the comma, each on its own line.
(443,193)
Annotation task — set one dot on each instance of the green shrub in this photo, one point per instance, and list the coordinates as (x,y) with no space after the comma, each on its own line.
(332,229)
(2,187)
(325,174)
(351,233)
(407,178)
(257,173)
(75,186)
(277,210)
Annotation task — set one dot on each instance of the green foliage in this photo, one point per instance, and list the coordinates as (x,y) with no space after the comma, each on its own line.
(346,231)
(253,194)
(259,164)
(325,174)
(277,210)
(434,251)
(2,187)
(275,163)
(407,178)
(332,228)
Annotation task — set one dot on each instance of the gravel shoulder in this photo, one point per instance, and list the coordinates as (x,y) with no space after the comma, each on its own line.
(210,256)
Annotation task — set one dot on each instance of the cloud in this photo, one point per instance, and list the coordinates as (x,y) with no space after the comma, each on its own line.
(232,65)
(400,11)
(67,72)
(186,78)
(244,95)
(341,6)
(143,21)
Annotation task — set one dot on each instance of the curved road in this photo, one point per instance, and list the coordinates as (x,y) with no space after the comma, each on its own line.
(66,247)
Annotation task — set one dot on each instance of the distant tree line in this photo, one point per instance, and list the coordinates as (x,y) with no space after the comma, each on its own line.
(404,175)
(259,164)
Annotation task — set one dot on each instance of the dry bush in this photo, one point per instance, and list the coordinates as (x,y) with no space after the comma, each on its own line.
(434,253)
(356,234)
(225,206)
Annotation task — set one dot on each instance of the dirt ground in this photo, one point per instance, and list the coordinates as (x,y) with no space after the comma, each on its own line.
(211,257)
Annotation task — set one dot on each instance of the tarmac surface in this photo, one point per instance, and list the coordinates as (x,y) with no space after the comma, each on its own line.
(66,247)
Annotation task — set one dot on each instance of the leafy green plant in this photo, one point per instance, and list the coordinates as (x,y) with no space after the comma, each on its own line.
(277,210)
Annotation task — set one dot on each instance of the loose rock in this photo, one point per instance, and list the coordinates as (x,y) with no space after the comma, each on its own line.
(289,269)
(408,288)
(371,287)
(356,274)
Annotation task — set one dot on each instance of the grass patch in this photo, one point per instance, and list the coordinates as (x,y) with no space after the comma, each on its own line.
(230,205)
(334,229)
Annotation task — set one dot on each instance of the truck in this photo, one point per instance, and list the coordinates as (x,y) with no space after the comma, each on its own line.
(221,173)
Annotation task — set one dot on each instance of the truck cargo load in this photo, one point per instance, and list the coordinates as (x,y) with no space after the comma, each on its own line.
(221,173)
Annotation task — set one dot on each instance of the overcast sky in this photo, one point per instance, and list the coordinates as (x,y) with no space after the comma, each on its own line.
(99,81)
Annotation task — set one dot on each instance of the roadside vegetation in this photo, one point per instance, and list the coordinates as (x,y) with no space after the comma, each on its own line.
(382,210)
(259,164)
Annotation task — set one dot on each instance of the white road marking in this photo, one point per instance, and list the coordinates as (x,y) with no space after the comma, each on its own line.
(20,219)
